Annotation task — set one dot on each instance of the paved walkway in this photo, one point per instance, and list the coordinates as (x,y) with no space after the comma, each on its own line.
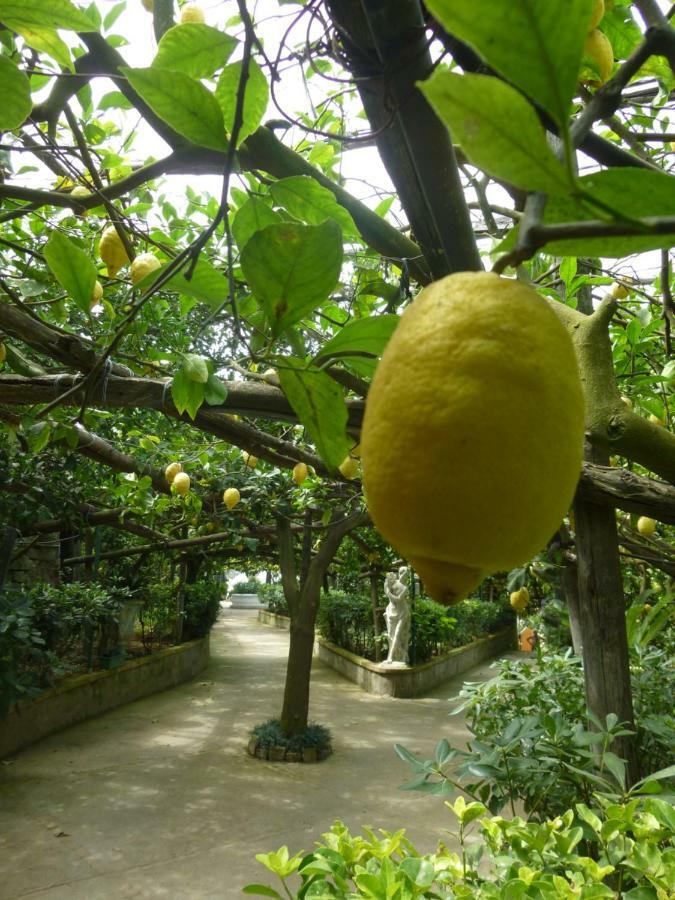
(159,798)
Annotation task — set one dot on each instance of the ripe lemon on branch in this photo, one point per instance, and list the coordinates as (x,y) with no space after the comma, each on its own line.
(473,431)
(112,251)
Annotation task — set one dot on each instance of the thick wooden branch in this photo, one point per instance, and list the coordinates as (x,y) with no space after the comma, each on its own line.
(628,491)
(388,54)
(69,349)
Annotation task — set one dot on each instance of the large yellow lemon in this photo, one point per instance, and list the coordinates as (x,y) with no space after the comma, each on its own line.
(473,431)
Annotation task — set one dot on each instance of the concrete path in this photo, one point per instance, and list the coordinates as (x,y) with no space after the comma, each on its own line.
(159,798)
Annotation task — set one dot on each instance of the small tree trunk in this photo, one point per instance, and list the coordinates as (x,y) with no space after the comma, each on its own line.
(570,586)
(295,710)
(602,617)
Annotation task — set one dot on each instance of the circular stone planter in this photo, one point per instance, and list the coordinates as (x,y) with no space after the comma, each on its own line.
(281,754)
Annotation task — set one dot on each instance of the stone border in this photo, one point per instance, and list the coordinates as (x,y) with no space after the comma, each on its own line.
(84,696)
(265,617)
(281,754)
(413,680)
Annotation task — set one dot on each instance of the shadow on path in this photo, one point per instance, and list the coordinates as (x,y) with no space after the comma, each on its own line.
(159,798)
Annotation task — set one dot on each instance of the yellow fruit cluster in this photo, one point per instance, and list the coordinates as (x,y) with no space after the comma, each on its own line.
(177,478)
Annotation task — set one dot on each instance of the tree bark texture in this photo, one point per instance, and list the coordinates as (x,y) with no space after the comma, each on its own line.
(602,617)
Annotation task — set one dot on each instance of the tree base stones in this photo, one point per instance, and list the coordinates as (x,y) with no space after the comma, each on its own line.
(283,754)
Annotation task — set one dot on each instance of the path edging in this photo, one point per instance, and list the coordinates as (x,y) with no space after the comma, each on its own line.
(84,696)
(412,681)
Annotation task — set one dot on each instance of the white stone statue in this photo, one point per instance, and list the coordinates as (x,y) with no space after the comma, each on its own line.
(397,617)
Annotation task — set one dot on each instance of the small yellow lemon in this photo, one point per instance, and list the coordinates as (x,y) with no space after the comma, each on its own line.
(599,48)
(300,473)
(231,497)
(646,526)
(112,251)
(181,483)
(619,291)
(96,294)
(250,461)
(192,13)
(172,470)
(143,265)
(597,14)
(519,599)
(349,467)
(475,411)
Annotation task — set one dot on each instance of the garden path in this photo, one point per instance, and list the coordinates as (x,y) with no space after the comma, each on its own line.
(159,798)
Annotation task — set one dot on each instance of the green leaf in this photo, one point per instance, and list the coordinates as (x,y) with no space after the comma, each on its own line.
(261,890)
(187,395)
(303,197)
(207,284)
(37,14)
(38,436)
(320,405)
(183,103)
(46,40)
(252,216)
(630,192)
(256,97)
(497,129)
(72,267)
(195,49)
(215,392)
(15,90)
(361,337)
(195,368)
(292,269)
(535,45)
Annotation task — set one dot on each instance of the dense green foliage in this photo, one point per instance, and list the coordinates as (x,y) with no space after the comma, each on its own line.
(271,734)
(612,849)
(347,620)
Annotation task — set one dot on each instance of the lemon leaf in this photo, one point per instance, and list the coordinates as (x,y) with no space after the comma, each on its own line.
(72,268)
(305,199)
(360,338)
(535,45)
(497,129)
(182,102)
(187,395)
(252,216)
(256,97)
(292,269)
(35,14)
(320,405)
(195,49)
(15,90)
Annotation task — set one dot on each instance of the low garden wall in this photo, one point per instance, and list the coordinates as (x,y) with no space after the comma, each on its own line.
(413,680)
(84,696)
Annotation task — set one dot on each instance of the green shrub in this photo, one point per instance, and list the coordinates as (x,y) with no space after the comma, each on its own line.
(347,621)
(202,606)
(159,614)
(533,743)
(246,587)
(271,734)
(272,595)
(79,613)
(25,664)
(611,850)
